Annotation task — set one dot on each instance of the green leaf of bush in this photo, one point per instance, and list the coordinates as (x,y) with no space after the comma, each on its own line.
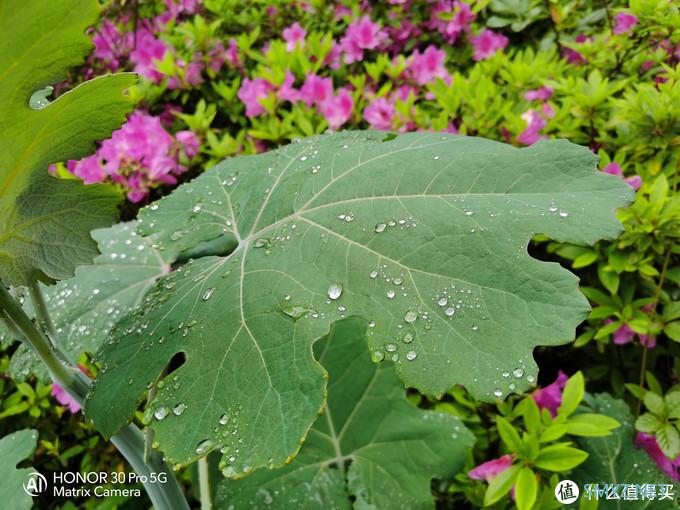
(14,448)
(559,458)
(424,235)
(46,222)
(370,445)
(85,308)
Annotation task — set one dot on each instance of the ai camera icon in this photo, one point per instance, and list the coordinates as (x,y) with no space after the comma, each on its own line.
(34,484)
(566,491)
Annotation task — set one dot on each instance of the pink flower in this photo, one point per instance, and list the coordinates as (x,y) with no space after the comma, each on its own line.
(624,22)
(625,334)
(251,92)
(541,93)
(380,114)
(111,45)
(232,53)
(287,92)
(147,53)
(361,34)
(337,109)
(294,35)
(89,169)
(487,43)
(573,56)
(535,122)
(648,444)
(427,66)
(450,26)
(189,142)
(64,398)
(615,169)
(491,469)
(550,397)
(316,89)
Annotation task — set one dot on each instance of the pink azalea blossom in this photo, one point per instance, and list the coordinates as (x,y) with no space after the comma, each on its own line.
(402,34)
(615,169)
(111,45)
(88,169)
(316,89)
(147,53)
(64,398)
(189,142)
(337,109)
(535,122)
(294,35)
(572,55)
(427,66)
(623,23)
(550,397)
(380,114)
(487,43)
(625,335)
(451,26)
(541,93)
(232,54)
(491,469)
(287,91)
(251,92)
(648,444)
(362,34)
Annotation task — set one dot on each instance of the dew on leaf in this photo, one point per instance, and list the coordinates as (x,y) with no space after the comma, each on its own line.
(391,294)
(179,409)
(380,227)
(390,347)
(161,413)
(518,372)
(442,301)
(207,293)
(335,291)
(378,356)
(450,311)
(408,338)
(410,316)
(411,355)
(224,419)
(373,274)
(204,446)
(498,393)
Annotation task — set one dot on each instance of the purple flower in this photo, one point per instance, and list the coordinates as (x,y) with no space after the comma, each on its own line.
(450,26)
(615,169)
(535,122)
(294,35)
(648,444)
(361,34)
(491,469)
(624,22)
(189,142)
(147,53)
(541,93)
(315,89)
(111,45)
(625,334)
(64,398)
(287,91)
(427,66)
(487,43)
(550,397)
(337,109)
(380,114)
(251,92)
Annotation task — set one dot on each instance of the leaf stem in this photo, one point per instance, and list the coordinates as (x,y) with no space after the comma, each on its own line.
(165,493)
(204,483)
(38,299)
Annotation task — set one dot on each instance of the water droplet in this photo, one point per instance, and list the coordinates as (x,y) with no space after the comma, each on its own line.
(335,291)
(262,242)
(391,294)
(380,227)
(286,297)
(408,338)
(475,327)
(378,356)
(450,311)
(410,316)
(506,374)
(552,208)
(224,419)
(468,212)
(390,347)
(397,281)
(161,413)
(179,409)
(531,378)
(442,301)
(436,157)
(411,355)
(498,393)
(196,208)
(373,274)
(207,293)
(518,372)
(204,446)
(564,214)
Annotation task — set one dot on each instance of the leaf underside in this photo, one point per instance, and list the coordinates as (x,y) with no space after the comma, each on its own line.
(424,235)
(614,460)
(370,444)
(85,307)
(45,222)
(14,448)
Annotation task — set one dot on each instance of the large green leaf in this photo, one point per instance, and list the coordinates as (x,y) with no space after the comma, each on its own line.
(424,235)
(614,460)
(14,449)
(370,445)
(85,308)
(45,222)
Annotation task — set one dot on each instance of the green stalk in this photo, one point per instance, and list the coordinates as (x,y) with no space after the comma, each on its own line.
(40,306)
(204,483)
(157,478)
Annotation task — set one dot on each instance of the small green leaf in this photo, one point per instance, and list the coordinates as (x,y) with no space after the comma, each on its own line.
(668,438)
(672,329)
(509,435)
(590,424)
(648,423)
(559,458)
(572,394)
(526,489)
(500,485)
(369,449)
(655,404)
(14,448)
(553,432)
